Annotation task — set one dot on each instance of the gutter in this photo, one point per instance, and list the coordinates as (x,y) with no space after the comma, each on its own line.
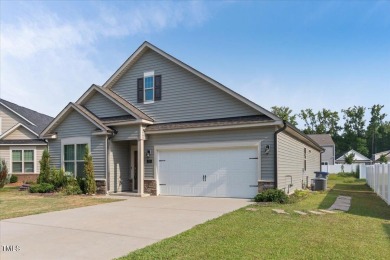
(276,152)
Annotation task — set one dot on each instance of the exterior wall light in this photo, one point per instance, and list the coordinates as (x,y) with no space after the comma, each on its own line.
(148,152)
(266,150)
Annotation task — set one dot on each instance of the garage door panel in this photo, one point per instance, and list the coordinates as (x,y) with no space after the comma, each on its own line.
(229,172)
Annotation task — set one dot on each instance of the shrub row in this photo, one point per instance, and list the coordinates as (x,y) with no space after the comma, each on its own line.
(279,196)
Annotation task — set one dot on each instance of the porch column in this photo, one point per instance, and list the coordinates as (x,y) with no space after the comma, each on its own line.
(141,165)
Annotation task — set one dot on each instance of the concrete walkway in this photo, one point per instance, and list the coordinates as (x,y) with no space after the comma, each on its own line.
(109,230)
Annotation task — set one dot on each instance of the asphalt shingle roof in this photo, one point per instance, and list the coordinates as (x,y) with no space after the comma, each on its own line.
(40,120)
(322,139)
(209,123)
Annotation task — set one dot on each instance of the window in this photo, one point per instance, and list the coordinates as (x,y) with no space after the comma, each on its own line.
(149,88)
(74,159)
(22,160)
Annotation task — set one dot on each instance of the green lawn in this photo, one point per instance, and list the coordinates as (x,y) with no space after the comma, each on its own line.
(361,233)
(14,203)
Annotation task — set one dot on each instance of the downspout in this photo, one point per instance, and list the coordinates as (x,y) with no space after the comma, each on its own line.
(276,153)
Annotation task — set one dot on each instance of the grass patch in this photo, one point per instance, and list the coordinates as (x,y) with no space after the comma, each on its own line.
(14,203)
(361,233)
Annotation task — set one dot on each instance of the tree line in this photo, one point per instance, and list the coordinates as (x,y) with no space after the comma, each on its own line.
(366,139)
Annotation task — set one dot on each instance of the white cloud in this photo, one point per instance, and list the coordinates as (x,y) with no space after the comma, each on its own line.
(47,58)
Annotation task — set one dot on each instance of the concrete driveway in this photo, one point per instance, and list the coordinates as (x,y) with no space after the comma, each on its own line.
(109,230)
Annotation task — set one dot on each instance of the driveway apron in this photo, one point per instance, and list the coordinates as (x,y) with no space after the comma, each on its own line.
(107,231)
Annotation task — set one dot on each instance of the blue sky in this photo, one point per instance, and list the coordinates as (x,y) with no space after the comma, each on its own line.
(301,54)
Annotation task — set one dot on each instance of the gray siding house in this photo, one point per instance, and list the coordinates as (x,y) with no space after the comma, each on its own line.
(20,145)
(328,157)
(160,127)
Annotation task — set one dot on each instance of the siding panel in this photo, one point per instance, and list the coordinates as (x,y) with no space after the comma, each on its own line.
(265,134)
(75,125)
(103,107)
(185,97)
(291,162)
(126,133)
(119,163)
(20,133)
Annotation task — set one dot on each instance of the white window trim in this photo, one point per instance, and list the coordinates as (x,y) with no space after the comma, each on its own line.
(148,74)
(74,141)
(12,148)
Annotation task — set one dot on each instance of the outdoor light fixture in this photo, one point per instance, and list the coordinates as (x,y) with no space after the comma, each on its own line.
(266,151)
(148,153)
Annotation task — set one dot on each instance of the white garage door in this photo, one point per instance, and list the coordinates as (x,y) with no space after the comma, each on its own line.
(212,173)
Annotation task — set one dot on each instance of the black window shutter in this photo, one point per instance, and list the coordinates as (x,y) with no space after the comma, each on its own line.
(140,90)
(157,87)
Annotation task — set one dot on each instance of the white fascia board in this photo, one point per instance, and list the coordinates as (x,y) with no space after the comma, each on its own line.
(12,129)
(142,121)
(16,113)
(210,128)
(107,84)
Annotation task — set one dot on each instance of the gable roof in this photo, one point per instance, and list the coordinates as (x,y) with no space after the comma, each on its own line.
(322,139)
(119,101)
(12,129)
(148,46)
(36,121)
(358,156)
(83,111)
(376,156)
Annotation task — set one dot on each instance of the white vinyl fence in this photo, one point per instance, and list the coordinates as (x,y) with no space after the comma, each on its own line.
(378,179)
(340,168)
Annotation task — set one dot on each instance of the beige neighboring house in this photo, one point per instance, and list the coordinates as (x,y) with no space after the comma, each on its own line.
(328,157)
(20,145)
(376,156)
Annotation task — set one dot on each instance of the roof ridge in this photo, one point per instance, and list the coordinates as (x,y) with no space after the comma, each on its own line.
(31,110)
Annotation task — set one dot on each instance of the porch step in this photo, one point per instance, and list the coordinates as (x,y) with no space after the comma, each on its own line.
(129,194)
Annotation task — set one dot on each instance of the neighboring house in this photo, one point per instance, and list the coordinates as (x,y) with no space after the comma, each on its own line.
(376,156)
(359,158)
(158,126)
(20,145)
(326,142)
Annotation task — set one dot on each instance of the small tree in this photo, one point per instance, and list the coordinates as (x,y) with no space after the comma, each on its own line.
(350,158)
(90,184)
(44,173)
(3,173)
(383,159)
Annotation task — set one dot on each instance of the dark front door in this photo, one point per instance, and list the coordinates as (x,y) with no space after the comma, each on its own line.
(135,153)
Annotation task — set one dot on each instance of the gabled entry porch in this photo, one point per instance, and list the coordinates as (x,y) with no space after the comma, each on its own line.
(125,166)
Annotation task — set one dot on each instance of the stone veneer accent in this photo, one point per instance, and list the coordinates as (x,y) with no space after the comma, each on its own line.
(101,187)
(265,185)
(150,186)
(24,177)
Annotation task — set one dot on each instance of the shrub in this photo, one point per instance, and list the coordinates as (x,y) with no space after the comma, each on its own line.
(3,173)
(13,178)
(58,178)
(72,187)
(90,184)
(272,195)
(44,173)
(42,188)
(82,184)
